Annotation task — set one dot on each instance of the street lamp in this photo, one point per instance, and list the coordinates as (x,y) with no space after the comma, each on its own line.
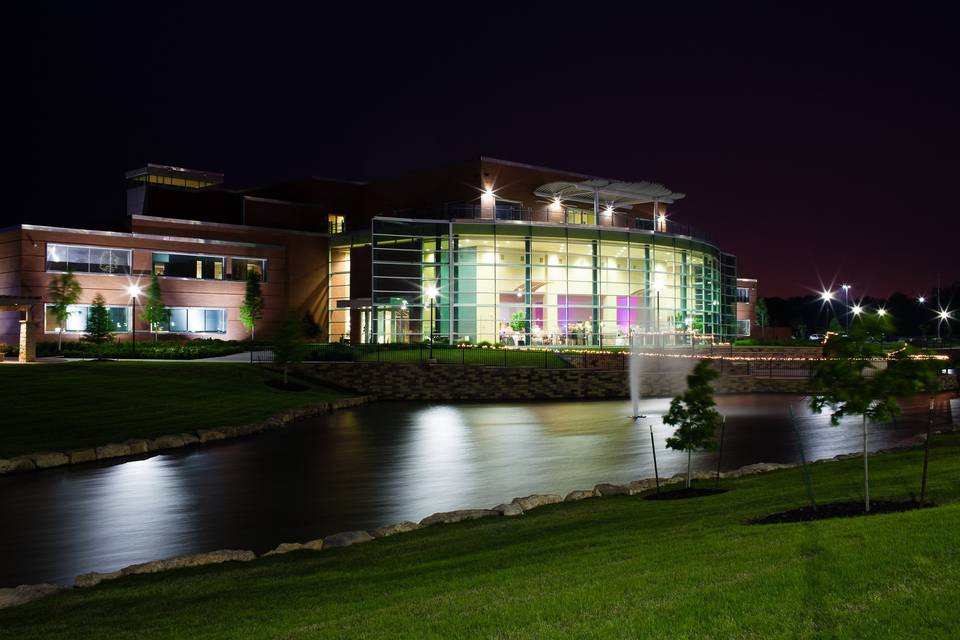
(921,299)
(431,292)
(133,291)
(846,316)
(942,316)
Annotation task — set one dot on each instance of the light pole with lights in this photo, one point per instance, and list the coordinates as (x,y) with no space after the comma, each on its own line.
(846,304)
(134,291)
(431,292)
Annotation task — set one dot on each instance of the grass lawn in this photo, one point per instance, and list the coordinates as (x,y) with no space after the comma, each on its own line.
(66,406)
(454,355)
(609,568)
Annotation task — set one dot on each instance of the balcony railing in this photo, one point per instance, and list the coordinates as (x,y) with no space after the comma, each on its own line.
(612,220)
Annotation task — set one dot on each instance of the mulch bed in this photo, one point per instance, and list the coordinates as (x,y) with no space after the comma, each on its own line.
(840,510)
(681,494)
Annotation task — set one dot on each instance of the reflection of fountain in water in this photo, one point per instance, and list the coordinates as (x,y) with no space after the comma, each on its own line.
(634,379)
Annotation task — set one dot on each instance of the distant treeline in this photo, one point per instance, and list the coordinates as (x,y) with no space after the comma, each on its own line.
(809,314)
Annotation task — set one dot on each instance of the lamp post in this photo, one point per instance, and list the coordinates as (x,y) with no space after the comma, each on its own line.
(134,291)
(827,297)
(431,292)
(846,314)
(881,312)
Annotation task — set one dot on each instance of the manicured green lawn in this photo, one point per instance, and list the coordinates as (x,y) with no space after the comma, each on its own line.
(65,406)
(609,568)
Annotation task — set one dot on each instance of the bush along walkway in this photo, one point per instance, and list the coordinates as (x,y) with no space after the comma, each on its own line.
(140,446)
(897,464)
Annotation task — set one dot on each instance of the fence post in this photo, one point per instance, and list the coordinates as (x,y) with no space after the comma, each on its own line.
(504,358)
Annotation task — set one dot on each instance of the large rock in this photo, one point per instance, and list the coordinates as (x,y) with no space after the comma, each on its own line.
(94,578)
(16,465)
(195,560)
(641,486)
(108,451)
(346,538)
(287,547)
(209,435)
(508,509)
(189,438)
(139,445)
(49,459)
(82,455)
(573,496)
(168,442)
(537,500)
(393,529)
(25,593)
(606,490)
(762,467)
(449,517)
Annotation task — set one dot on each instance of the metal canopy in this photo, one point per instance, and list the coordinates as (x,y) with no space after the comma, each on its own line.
(617,194)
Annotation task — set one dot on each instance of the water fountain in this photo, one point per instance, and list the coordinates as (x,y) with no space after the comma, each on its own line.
(634,379)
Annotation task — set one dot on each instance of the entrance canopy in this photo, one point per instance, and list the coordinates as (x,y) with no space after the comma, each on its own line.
(17,303)
(615,194)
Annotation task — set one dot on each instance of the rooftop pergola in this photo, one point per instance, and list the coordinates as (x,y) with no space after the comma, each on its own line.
(611,193)
(28,347)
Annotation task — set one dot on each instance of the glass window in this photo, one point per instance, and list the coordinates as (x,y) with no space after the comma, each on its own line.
(78,315)
(98,260)
(196,320)
(335,223)
(183,265)
(240,267)
(743,294)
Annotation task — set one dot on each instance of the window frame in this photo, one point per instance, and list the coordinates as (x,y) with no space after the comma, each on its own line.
(222,258)
(46,259)
(263,268)
(226,320)
(88,306)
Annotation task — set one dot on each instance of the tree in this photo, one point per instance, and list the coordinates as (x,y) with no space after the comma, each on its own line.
(762,315)
(518,321)
(919,375)
(288,345)
(64,291)
(693,414)
(99,326)
(251,309)
(851,385)
(154,311)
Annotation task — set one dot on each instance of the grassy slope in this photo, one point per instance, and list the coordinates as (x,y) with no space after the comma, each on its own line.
(614,567)
(65,406)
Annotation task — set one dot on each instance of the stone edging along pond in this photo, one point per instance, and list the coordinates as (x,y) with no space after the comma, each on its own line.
(140,446)
(517,507)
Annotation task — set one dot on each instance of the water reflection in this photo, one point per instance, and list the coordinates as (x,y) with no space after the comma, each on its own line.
(368,466)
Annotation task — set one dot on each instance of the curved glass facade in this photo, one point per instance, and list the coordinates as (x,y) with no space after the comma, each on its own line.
(546,285)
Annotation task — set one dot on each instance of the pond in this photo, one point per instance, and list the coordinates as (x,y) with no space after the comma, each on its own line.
(369,466)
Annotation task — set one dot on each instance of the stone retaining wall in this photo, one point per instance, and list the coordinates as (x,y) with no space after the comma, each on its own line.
(436,382)
(140,446)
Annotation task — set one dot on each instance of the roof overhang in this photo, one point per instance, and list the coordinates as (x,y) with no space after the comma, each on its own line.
(616,194)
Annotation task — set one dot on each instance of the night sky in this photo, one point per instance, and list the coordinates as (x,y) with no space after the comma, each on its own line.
(818,145)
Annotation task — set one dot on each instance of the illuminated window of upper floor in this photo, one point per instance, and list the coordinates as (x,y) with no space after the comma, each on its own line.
(576,215)
(335,223)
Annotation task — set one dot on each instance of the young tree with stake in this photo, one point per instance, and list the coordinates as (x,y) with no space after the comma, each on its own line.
(64,291)
(850,385)
(251,309)
(693,414)
(155,312)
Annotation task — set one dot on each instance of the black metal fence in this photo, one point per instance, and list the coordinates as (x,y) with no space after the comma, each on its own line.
(668,360)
